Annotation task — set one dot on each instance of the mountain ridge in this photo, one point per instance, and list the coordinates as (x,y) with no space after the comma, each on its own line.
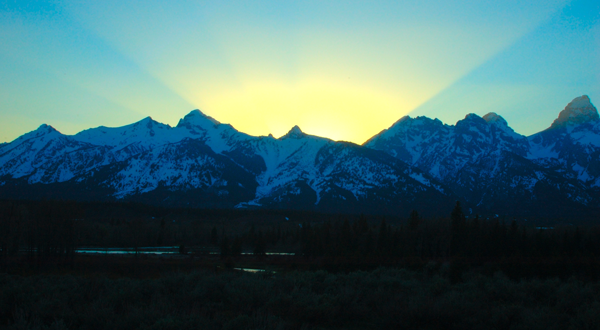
(417,163)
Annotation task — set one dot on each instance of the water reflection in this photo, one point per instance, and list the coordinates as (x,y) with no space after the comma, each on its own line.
(161,250)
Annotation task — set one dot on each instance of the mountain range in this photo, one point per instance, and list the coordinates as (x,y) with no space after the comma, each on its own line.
(418,163)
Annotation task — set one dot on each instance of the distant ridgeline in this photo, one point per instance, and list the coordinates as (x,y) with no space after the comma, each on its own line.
(417,163)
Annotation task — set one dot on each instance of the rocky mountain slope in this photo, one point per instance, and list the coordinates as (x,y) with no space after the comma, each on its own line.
(204,163)
(486,163)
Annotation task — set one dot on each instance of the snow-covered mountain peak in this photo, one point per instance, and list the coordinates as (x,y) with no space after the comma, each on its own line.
(146,131)
(494,118)
(294,133)
(148,123)
(578,111)
(197,118)
(146,120)
(45,129)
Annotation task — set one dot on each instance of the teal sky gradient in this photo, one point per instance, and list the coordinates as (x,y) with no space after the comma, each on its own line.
(339,69)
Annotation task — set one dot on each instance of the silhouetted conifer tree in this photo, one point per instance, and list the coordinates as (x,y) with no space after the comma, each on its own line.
(260,247)
(225,248)
(414,219)
(214,237)
(236,247)
(362,225)
(383,237)
(161,233)
(457,227)
(458,218)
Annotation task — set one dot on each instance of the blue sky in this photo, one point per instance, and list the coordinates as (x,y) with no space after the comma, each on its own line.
(339,69)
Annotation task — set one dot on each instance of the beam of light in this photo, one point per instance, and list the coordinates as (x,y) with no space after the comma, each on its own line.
(342,70)
(68,77)
(531,81)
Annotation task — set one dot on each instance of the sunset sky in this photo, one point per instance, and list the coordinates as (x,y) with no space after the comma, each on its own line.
(339,69)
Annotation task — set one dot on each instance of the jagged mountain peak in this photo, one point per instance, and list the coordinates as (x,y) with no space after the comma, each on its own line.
(43,130)
(294,133)
(46,129)
(582,101)
(407,126)
(500,123)
(494,118)
(147,122)
(419,120)
(471,116)
(197,118)
(402,120)
(407,121)
(579,111)
(470,119)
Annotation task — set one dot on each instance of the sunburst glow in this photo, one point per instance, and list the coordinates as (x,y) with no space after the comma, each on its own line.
(340,70)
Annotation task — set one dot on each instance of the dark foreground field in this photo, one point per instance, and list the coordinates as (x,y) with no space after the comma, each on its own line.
(196,297)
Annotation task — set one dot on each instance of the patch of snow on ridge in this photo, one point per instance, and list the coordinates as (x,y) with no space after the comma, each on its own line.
(537,151)
(419,177)
(582,173)
(247,204)
(288,160)
(586,138)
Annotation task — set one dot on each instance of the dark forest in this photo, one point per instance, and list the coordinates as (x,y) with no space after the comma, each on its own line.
(315,270)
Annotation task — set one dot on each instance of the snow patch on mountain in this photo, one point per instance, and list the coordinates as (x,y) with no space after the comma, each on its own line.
(538,150)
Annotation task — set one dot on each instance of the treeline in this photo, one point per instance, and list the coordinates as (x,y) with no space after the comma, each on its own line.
(55,228)
(463,242)
(45,231)
(456,236)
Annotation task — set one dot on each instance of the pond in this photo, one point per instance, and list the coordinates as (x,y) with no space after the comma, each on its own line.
(143,250)
(158,250)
